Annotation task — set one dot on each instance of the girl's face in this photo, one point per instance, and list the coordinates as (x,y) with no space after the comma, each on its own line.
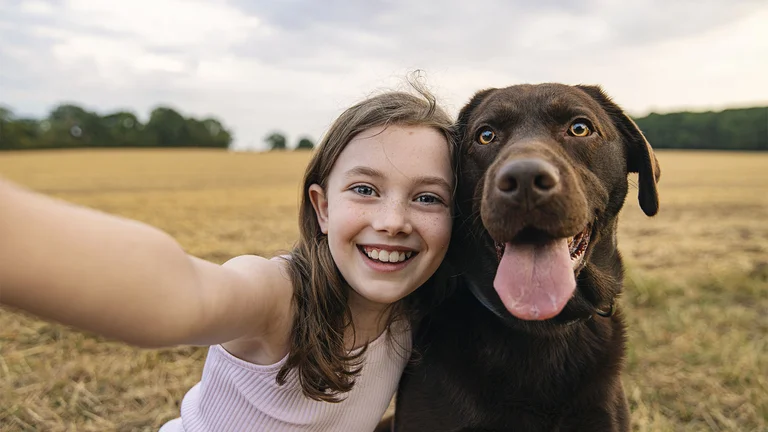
(387,210)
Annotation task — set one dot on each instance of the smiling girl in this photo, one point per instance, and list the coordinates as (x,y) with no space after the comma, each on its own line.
(288,335)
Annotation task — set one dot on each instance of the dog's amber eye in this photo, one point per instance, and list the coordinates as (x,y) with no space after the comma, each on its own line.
(579,129)
(486,136)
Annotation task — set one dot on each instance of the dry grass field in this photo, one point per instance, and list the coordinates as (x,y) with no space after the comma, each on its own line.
(696,296)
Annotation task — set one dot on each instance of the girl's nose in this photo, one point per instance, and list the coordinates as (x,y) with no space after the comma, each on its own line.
(393,219)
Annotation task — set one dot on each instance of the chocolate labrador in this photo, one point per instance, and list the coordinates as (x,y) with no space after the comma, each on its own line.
(531,338)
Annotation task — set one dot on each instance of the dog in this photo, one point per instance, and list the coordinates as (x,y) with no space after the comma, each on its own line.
(532,338)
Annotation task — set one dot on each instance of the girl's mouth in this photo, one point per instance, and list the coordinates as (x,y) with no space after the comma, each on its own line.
(382,255)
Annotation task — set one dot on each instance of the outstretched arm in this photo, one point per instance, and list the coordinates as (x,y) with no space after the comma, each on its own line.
(125,279)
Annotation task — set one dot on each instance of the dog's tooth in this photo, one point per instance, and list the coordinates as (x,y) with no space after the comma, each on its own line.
(383,256)
(374,254)
(401,257)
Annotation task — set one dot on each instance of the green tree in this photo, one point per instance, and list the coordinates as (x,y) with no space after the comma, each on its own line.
(18,134)
(219,135)
(6,114)
(276,141)
(6,117)
(305,144)
(69,125)
(197,133)
(166,128)
(124,128)
(731,129)
(207,133)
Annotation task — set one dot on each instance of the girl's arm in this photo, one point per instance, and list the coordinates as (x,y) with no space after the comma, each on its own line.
(127,280)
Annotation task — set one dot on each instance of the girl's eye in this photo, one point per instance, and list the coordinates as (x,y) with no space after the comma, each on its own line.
(428,199)
(363,190)
(579,128)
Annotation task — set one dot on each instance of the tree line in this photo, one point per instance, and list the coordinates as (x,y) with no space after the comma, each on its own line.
(70,126)
(277,141)
(731,129)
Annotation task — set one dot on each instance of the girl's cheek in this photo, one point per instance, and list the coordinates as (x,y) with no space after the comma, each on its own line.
(441,227)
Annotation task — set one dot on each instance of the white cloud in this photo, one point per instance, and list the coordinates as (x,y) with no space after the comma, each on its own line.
(724,67)
(294,66)
(35,7)
(167,23)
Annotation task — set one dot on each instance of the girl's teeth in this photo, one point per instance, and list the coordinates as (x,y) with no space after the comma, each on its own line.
(383,256)
(387,256)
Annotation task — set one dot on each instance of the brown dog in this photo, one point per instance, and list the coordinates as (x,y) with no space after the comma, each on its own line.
(530,339)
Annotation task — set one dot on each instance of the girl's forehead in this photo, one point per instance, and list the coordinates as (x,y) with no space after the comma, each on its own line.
(404,150)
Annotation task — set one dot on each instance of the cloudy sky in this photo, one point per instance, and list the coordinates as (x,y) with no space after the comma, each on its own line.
(293,65)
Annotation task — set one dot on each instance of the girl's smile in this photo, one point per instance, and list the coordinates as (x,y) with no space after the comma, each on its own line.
(387,258)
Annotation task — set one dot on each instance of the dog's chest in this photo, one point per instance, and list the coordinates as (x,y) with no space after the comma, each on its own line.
(491,372)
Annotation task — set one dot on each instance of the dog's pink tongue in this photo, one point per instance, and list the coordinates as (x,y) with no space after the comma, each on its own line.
(535,281)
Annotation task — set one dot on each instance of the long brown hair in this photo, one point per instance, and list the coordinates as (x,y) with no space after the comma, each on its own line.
(324,366)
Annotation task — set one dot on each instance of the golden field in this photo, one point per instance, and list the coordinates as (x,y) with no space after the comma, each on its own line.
(696,295)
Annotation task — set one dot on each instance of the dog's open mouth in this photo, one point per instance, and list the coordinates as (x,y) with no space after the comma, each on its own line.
(577,246)
(537,274)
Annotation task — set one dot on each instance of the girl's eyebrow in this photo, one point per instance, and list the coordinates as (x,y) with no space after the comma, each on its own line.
(421,180)
(364,171)
(436,181)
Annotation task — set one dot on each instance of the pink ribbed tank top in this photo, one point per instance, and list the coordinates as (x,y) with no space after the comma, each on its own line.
(235,395)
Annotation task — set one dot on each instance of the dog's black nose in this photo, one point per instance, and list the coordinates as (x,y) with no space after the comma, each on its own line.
(528,181)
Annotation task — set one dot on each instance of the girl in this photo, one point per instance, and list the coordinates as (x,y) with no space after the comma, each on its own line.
(288,334)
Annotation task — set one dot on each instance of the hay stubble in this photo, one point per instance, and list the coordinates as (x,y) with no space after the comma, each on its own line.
(696,300)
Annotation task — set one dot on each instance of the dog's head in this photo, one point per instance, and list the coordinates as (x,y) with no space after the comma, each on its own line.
(542,178)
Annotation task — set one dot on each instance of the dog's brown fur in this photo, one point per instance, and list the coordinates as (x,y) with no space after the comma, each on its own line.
(482,369)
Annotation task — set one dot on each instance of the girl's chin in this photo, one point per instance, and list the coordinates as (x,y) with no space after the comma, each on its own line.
(378,299)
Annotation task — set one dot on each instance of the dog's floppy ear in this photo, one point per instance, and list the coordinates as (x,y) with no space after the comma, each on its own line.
(640,157)
(466,111)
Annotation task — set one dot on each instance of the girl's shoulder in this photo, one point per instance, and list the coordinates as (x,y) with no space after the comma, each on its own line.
(270,272)
(270,343)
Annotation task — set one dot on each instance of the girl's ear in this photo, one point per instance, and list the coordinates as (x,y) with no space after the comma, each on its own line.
(320,203)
